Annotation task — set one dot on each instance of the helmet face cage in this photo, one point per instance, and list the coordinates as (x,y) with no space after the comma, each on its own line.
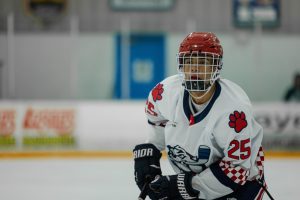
(199,70)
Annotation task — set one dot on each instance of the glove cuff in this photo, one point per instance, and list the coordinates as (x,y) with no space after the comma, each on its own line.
(184,185)
(146,150)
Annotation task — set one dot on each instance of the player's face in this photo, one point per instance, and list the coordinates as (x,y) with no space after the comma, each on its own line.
(198,68)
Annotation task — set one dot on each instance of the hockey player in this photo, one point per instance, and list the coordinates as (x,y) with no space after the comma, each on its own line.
(206,125)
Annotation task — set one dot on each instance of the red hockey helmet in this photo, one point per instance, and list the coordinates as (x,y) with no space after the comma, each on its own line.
(200,61)
(201,42)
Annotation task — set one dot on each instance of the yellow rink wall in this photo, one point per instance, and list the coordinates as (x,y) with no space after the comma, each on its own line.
(113,154)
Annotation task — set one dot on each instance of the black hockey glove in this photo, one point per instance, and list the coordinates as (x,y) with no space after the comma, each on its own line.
(146,163)
(174,187)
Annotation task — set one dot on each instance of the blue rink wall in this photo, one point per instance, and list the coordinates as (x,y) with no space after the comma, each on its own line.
(85,67)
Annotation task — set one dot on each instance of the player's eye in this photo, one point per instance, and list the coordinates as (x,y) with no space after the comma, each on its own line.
(187,61)
(205,61)
(202,61)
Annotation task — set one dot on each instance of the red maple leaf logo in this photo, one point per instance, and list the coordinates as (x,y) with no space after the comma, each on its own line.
(237,121)
(157,91)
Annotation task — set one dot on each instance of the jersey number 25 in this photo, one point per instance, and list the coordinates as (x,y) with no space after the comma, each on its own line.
(239,146)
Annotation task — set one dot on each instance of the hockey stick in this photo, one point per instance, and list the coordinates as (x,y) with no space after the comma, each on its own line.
(265,189)
(145,188)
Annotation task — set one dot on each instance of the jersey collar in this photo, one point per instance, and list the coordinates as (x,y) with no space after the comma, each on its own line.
(200,116)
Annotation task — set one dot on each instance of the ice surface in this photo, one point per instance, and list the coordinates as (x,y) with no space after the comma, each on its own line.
(108,179)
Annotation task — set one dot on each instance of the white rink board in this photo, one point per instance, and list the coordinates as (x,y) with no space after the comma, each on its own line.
(119,125)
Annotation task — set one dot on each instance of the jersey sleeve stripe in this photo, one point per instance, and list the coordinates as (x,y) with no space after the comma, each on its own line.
(236,173)
(162,124)
(151,123)
(222,177)
(260,161)
(260,194)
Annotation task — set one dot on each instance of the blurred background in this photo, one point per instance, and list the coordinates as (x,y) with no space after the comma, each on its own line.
(75,74)
(82,50)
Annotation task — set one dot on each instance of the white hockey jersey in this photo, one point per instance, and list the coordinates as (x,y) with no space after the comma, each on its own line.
(221,143)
